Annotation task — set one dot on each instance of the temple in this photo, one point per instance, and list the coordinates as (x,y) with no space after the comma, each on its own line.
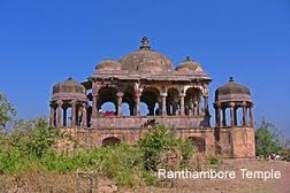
(124,98)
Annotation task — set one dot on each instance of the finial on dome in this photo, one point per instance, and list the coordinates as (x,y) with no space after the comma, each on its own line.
(69,78)
(231,79)
(188,59)
(145,43)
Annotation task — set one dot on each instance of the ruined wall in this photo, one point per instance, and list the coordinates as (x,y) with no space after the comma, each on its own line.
(237,142)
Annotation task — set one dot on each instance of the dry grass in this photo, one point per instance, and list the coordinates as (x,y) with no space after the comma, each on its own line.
(44,182)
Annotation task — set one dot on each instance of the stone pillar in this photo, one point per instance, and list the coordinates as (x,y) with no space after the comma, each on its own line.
(64,116)
(182,95)
(235,116)
(94,106)
(163,98)
(119,103)
(52,116)
(251,117)
(218,115)
(137,103)
(220,111)
(206,110)
(84,117)
(59,113)
(224,117)
(73,113)
(244,114)
(232,112)
(195,108)
(131,108)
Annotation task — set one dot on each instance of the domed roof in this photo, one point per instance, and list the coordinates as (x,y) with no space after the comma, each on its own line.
(189,65)
(232,88)
(108,65)
(146,60)
(68,86)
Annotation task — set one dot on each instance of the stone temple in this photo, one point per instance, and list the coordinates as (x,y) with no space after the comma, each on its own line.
(123,98)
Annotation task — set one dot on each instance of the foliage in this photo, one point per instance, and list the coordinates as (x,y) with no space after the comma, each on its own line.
(162,140)
(31,146)
(266,140)
(6,111)
(213,160)
(157,140)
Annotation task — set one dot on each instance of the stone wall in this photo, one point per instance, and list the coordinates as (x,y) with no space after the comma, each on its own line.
(122,122)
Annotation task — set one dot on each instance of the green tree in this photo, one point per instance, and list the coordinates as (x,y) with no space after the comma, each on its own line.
(267,141)
(7,112)
(158,139)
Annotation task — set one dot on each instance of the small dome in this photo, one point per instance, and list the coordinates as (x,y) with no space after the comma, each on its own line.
(189,65)
(69,86)
(109,65)
(233,91)
(69,90)
(233,88)
(146,60)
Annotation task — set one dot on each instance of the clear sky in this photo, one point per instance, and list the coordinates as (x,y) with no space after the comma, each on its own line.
(43,42)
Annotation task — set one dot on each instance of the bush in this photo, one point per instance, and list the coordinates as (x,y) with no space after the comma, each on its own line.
(266,142)
(159,141)
(31,147)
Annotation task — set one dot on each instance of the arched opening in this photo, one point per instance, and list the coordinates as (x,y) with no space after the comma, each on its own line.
(68,118)
(150,96)
(107,101)
(128,102)
(239,116)
(227,121)
(109,141)
(172,102)
(198,143)
(125,109)
(192,102)
(107,109)
(144,110)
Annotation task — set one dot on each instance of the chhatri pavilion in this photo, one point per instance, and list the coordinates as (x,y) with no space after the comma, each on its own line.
(143,89)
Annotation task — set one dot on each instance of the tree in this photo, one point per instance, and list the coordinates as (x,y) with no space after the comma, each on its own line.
(267,141)
(7,112)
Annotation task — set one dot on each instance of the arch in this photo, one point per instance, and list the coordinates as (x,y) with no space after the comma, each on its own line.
(68,117)
(239,116)
(107,99)
(128,102)
(107,108)
(109,141)
(227,117)
(193,101)
(150,96)
(126,111)
(198,143)
(172,101)
(107,94)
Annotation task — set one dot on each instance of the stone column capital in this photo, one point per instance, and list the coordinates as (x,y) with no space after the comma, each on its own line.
(120,94)
(181,95)
(73,102)
(59,103)
(163,94)
(232,104)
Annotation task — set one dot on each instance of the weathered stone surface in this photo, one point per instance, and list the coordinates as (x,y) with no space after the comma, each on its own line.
(174,97)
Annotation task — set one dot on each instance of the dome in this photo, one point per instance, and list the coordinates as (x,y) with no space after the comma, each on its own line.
(145,60)
(233,91)
(189,65)
(69,85)
(233,88)
(69,90)
(109,65)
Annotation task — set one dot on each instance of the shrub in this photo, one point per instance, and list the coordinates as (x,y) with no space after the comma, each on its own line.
(266,142)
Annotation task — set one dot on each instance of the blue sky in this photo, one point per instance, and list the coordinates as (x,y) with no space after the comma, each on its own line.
(43,42)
